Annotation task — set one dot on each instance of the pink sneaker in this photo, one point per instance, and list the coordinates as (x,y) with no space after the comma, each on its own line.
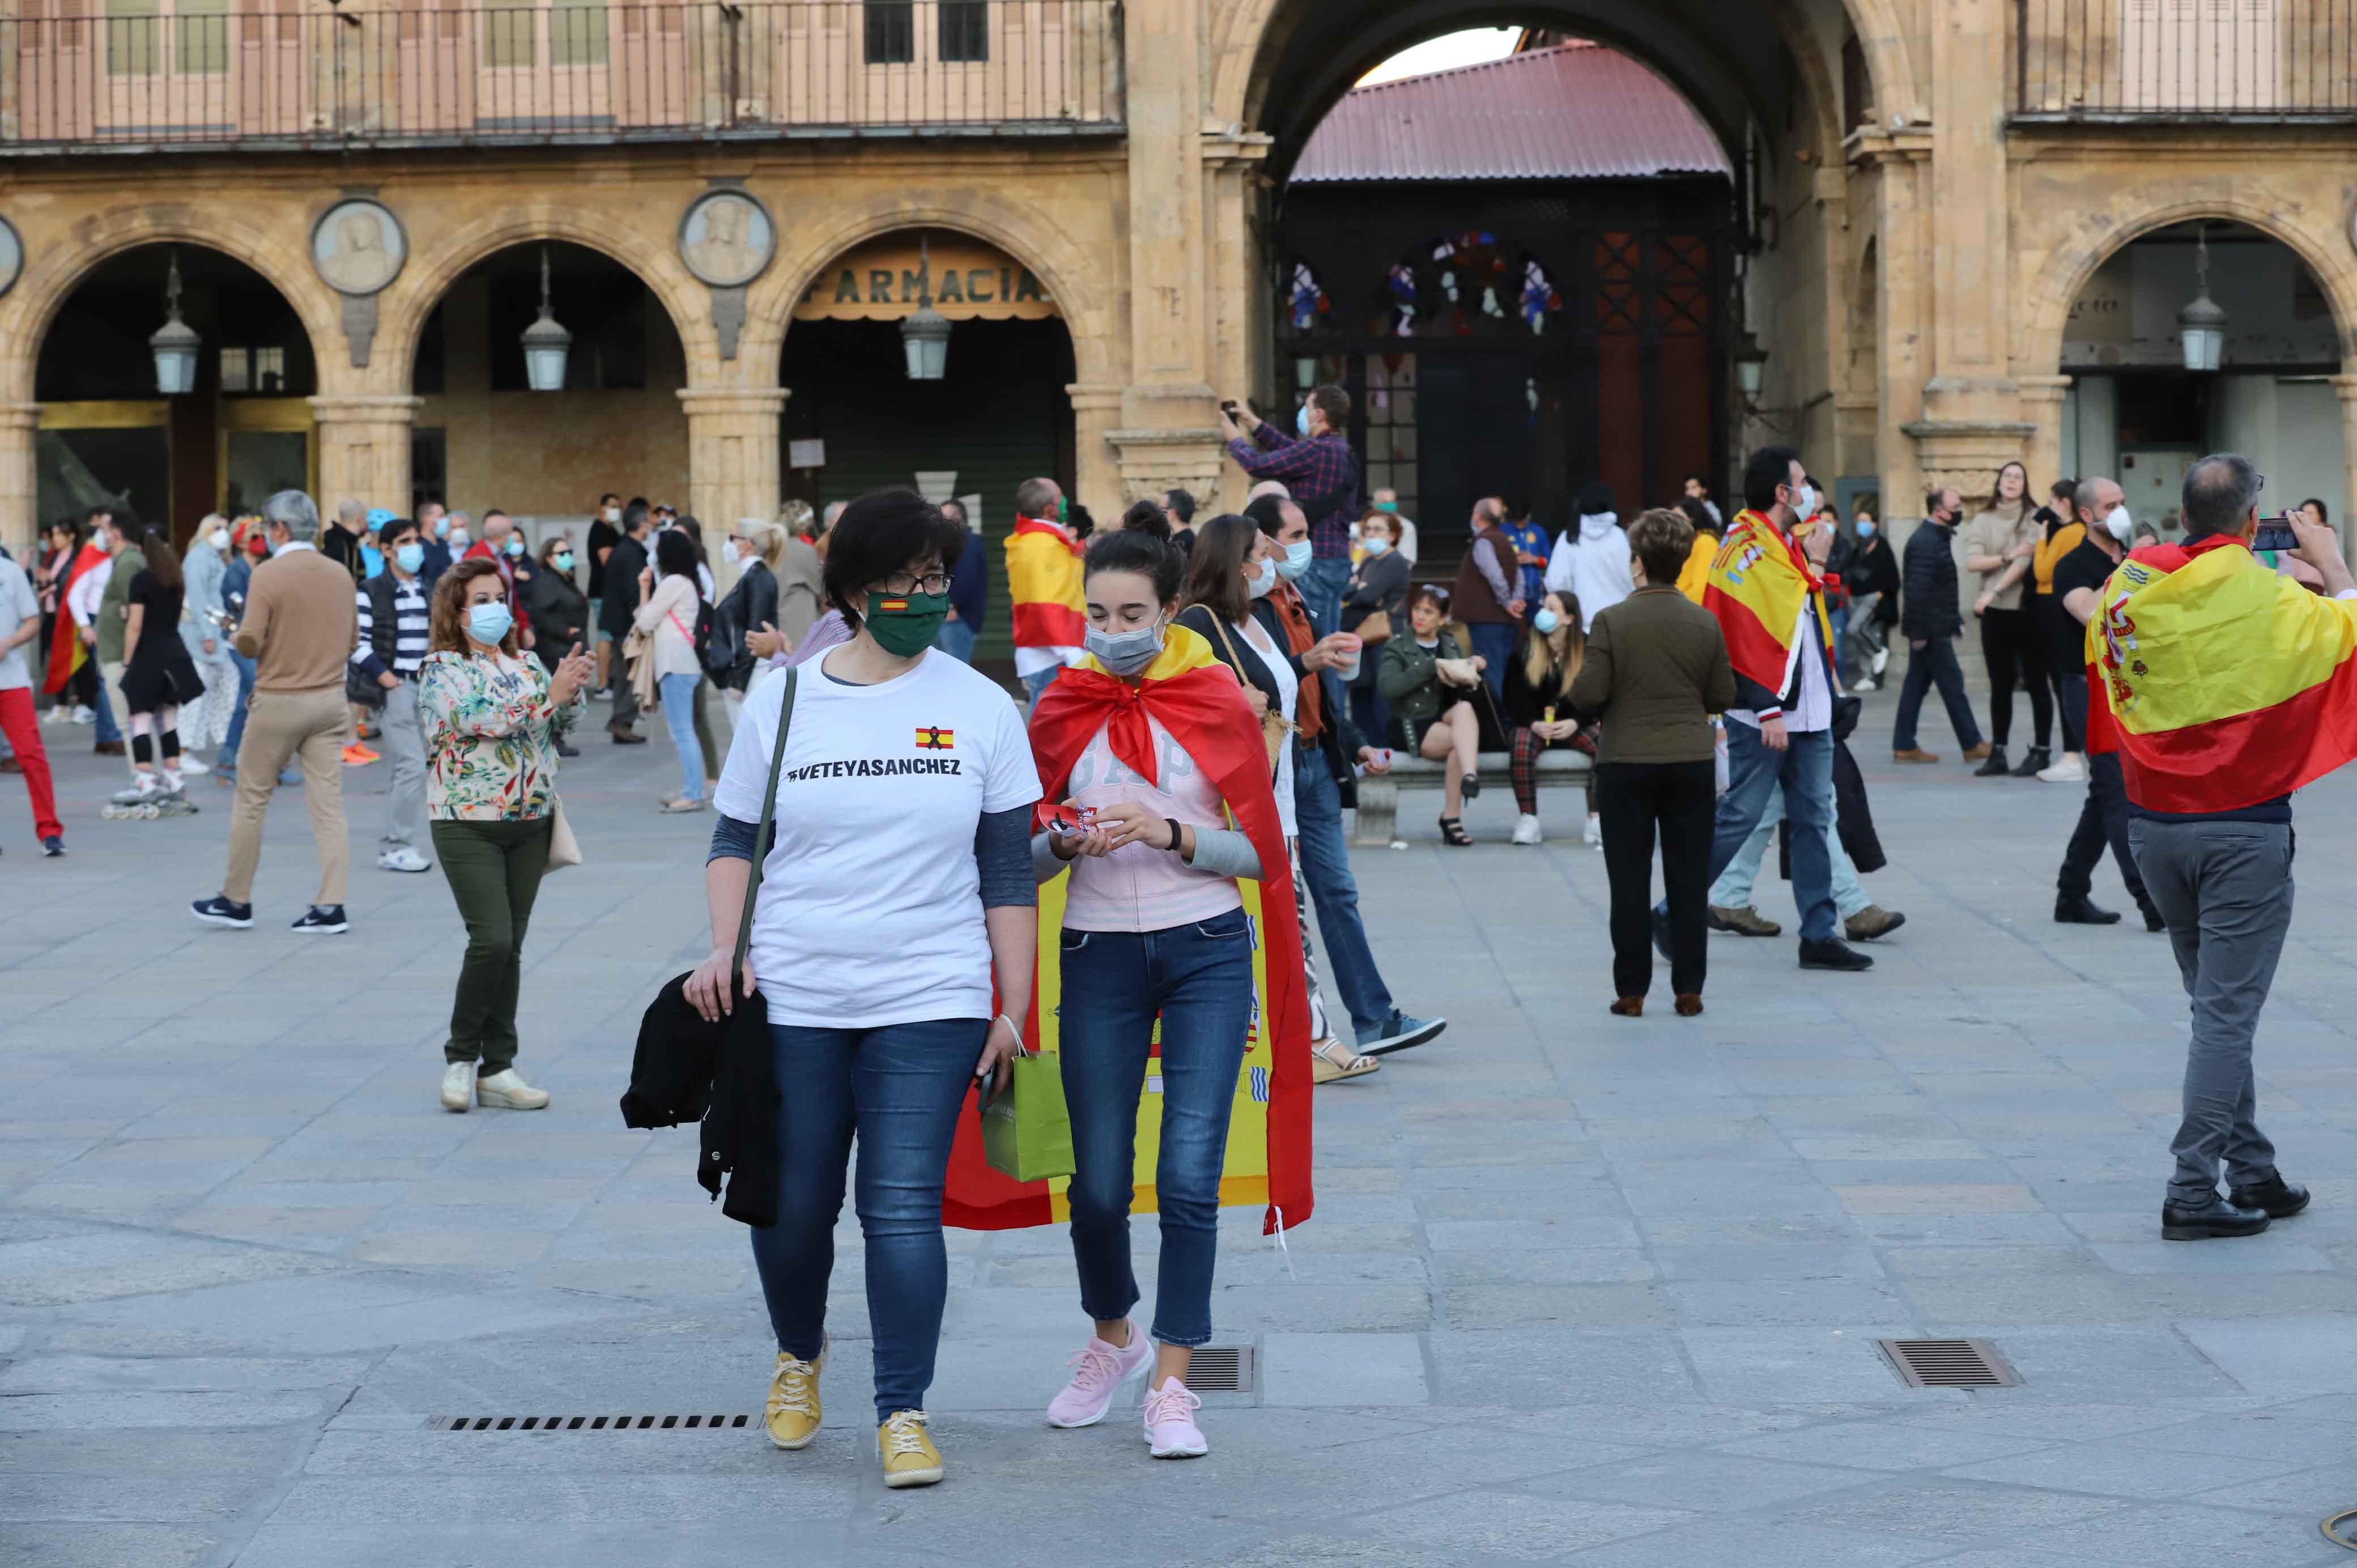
(1098,1370)
(1170,1429)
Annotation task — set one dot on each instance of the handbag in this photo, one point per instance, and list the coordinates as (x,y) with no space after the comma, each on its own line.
(1376,629)
(564,849)
(1273,725)
(1026,1132)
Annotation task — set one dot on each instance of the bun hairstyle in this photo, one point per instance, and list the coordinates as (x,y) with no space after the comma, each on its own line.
(1134,550)
(1146,517)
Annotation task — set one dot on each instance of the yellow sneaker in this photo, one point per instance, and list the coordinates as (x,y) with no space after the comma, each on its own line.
(909,1458)
(794,1412)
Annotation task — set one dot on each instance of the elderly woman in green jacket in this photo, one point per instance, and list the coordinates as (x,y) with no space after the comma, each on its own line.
(1427,681)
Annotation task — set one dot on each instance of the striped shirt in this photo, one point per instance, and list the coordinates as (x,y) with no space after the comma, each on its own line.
(410,621)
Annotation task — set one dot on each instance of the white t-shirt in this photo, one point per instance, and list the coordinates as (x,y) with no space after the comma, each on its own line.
(870,909)
(18,601)
(1288,690)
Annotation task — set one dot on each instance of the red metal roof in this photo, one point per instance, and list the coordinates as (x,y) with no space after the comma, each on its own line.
(1572,112)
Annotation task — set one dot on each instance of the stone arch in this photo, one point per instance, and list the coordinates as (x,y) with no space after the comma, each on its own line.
(433,269)
(1062,266)
(60,264)
(2086,245)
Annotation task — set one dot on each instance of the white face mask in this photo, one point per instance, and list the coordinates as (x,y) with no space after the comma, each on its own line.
(1260,586)
(1804,502)
(613,514)
(218,538)
(2119,524)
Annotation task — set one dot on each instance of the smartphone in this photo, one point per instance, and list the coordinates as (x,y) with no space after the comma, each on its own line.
(1228,406)
(985,1085)
(2275,534)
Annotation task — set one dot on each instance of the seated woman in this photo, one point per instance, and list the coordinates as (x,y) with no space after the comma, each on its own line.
(1428,683)
(1538,708)
(1379,586)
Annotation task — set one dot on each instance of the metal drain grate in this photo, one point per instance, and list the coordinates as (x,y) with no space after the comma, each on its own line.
(582,1422)
(1948,1364)
(1221,1368)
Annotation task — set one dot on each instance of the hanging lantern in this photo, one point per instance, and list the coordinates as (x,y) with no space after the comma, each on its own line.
(2201,326)
(925,334)
(1750,366)
(176,342)
(545,344)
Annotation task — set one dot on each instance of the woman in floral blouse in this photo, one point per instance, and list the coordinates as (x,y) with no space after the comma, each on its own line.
(492,718)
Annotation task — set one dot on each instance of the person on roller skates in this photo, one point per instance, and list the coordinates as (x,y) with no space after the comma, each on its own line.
(157,677)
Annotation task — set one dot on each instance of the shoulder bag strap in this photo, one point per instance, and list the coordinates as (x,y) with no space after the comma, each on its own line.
(761,831)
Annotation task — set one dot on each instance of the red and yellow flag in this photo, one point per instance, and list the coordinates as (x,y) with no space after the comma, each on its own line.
(1757,583)
(2220,684)
(66,652)
(1043,581)
(1198,702)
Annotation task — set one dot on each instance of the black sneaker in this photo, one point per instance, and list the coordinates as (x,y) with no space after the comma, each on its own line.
(2274,1198)
(2034,761)
(2153,920)
(2083,912)
(219,911)
(1994,766)
(53,847)
(1833,953)
(2213,1220)
(322,921)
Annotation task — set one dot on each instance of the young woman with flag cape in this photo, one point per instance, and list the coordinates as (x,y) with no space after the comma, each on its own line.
(67,653)
(1168,913)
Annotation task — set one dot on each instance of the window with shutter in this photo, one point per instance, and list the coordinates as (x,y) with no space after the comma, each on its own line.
(131,41)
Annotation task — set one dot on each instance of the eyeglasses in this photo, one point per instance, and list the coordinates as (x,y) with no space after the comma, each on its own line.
(931,583)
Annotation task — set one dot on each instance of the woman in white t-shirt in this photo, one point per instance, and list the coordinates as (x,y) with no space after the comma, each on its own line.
(897,885)
(1150,741)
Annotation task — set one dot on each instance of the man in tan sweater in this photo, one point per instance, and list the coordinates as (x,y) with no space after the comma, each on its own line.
(300,627)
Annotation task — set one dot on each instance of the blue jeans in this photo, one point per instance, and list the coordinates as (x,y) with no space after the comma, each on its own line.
(1325,867)
(1733,888)
(956,640)
(1496,644)
(902,1088)
(679,717)
(1322,587)
(110,732)
(1039,681)
(1805,771)
(227,760)
(1935,662)
(1199,979)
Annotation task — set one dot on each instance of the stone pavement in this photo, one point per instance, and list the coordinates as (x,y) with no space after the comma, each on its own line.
(1578,1288)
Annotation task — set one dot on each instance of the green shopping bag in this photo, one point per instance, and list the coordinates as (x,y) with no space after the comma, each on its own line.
(1028,1134)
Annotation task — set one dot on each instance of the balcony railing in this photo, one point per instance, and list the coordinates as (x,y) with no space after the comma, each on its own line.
(2109,60)
(198,74)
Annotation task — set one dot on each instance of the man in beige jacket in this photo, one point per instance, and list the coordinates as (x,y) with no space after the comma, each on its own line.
(300,627)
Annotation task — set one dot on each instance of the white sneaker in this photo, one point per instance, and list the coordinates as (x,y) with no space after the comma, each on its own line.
(403,859)
(458,1085)
(82,715)
(503,1090)
(2072,769)
(1527,830)
(1593,833)
(1881,660)
(1864,685)
(193,765)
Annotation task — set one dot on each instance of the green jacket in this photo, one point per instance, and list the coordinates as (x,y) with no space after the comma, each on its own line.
(1407,680)
(113,602)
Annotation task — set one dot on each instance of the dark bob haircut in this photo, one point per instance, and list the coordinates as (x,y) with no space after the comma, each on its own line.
(1134,550)
(1215,572)
(675,553)
(881,533)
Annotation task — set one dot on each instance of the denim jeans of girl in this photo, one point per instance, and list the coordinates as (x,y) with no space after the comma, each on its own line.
(679,717)
(900,1087)
(1199,978)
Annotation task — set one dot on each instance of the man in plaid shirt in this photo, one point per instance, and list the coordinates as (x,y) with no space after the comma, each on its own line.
(1322,474)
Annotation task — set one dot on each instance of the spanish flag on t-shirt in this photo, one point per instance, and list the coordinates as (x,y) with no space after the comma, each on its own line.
(2220,684)
(1043,580)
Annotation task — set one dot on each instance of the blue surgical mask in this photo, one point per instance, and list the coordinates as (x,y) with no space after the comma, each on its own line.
(487,624)
(441,528)
(1864,530)
(515,545)
(1261,587)
(1546,622)
(1301,419)
(410,556)
(1124,652)
(1297,559)
(562,560)
(1377,546)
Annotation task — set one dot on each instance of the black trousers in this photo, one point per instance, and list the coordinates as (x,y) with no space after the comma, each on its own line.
(2066,664)
(2015,650)
(1682,800)
(2103,819)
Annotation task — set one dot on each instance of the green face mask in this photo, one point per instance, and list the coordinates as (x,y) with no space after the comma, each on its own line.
(906,623)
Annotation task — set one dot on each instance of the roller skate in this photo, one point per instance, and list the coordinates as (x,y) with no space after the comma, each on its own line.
(139,801)
(173,801)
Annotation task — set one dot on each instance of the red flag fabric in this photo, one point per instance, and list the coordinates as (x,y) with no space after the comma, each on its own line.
(66,650)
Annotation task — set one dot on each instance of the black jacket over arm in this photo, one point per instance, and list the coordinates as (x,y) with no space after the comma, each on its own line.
(620,601)
(723,1074)
(1928,606)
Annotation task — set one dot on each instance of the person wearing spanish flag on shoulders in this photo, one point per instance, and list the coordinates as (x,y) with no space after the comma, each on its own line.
(2223,687)
(1153,751)
(1043,584)
(1770,602)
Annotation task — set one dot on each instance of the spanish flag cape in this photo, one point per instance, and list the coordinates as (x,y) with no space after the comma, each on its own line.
(2220,684)
(1198,700)
(1043,580)
(1757,583)
(67,653)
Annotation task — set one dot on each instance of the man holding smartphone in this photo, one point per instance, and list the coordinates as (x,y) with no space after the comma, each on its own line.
(2079,579)
(2224,689)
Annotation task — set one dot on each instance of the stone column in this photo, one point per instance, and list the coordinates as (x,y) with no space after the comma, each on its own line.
(364,448)
(1903,315)
(18,486)
(733,436)
(1169,384)
(2041,410)
(1097,478)
(2345,385)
